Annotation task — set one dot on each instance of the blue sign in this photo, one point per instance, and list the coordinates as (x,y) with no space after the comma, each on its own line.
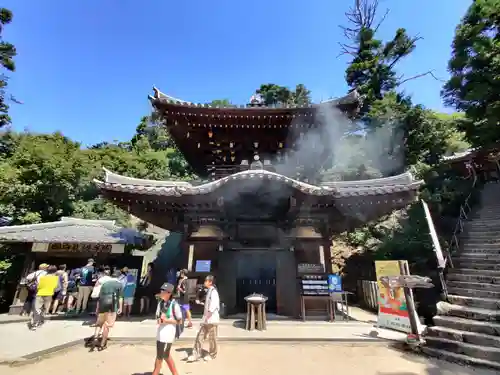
(334,284)
(202,266)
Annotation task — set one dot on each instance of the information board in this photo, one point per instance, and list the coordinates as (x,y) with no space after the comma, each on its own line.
(202,266)
(314,285)
(334,283)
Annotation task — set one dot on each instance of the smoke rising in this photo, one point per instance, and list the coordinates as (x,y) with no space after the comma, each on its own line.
(333,146)
(328,152)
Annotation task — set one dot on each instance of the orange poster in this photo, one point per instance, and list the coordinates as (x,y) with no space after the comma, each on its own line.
(392,309)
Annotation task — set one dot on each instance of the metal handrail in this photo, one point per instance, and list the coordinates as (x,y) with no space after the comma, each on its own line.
(465,210)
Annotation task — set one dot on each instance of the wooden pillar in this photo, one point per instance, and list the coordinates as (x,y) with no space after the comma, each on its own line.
(190,258)
(321,250)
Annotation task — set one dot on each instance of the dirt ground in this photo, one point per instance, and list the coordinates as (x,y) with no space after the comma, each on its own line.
(248,359)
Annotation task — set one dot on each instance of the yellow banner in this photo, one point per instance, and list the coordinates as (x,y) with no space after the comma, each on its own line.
(392,311)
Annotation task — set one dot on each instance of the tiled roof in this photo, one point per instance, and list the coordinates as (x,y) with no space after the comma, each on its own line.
(160,97)
(459,155)
(72,230)
(381,186)
(4,220)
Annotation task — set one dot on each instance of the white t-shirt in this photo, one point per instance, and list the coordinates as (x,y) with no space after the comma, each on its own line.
(166,332)
(212,305)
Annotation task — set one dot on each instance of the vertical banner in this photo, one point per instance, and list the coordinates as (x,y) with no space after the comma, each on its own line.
(392,309)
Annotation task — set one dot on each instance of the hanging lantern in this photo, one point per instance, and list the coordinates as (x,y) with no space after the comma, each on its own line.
(199,145)
(280,145)
(210,133)
(187,135)
(231,144)
(256,144)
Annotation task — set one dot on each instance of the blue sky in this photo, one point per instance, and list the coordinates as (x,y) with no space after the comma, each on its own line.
(85,67)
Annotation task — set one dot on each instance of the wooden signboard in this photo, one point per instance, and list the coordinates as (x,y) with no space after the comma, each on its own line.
(314,285)
(310,268)
(63,247)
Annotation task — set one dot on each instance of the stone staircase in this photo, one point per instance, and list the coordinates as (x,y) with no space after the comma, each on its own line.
(468,330)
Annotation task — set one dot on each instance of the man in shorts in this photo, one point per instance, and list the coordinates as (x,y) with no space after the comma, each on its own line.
(182,289)
(168,316)
(110,304)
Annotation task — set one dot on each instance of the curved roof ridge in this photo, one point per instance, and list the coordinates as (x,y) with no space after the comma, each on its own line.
(352,188)
(352,97)
(400,179)
(115,178)
(64,222)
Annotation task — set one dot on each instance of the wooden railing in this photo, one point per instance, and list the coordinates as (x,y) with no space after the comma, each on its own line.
(367,292)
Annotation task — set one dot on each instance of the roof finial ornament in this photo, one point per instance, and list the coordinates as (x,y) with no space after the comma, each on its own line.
(256,100)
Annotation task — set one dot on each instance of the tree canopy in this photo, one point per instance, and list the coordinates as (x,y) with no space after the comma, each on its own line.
(474,85)
(7,54)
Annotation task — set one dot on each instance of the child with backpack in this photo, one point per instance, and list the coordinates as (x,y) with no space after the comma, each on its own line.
(168,317)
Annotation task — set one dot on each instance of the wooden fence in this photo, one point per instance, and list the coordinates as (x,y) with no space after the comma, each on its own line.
(367,292)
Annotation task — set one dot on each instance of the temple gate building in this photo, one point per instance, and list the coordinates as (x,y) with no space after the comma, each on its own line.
(260,213)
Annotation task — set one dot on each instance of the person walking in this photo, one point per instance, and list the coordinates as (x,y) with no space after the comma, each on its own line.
(209,323)
(86,283)
(47,286)
(182,287)
(110,303)
(129,285)
(168,317)
(60,294)
(32,285)
(144,290)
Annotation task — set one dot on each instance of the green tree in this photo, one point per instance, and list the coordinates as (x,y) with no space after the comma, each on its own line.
(7,54)
(221,103)
(372,68)
(474,86)
(41,179)
(274,94)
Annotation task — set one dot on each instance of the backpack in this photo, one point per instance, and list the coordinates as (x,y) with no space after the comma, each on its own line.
(84,276)
(60,283)
(32,281)
(179,328)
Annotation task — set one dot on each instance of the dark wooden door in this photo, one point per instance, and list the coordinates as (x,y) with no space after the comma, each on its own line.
(256,274)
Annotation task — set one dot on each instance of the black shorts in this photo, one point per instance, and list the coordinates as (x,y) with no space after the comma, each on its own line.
(106,305)
(163,350)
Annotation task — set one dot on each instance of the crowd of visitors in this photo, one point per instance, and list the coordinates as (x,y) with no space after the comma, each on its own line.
(53,290)
(114,292)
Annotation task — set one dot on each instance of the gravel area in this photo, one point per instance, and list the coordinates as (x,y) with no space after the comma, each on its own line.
(248,359)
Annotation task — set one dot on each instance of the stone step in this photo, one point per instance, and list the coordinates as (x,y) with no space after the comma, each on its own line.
(485,303)
(480,249)
(489,235)
(468,325)
(475,264)
(475,351)
(489,220)
(476,313)
(467,337)
(471,271)
(480,244)
(471,285)
(475,278)
(474,240)
(481,230)
(459,358)
(473,292)
(477,256)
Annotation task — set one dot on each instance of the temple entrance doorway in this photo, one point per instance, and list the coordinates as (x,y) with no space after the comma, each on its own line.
(256,273)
